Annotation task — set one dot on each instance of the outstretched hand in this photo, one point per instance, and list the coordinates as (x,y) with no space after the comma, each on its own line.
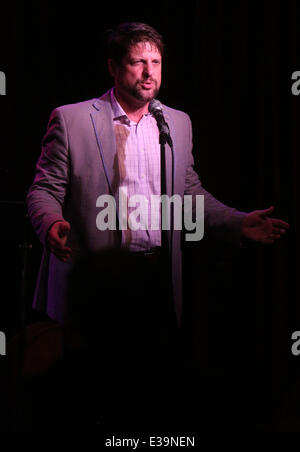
(259,227)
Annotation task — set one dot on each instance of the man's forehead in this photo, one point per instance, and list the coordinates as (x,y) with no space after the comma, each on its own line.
(141,47)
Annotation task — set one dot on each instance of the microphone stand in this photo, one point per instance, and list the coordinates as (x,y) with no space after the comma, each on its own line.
(163,191)
(155,108)
(166,244)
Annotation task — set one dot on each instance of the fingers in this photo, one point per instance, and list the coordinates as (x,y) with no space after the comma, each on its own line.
(62,255)
(279,227)
(276,232)
(279,231)
(266,212)
(57,238)
(59,247)
(280,224)
(275,221)
(277,235)
(63,230)
(61,251)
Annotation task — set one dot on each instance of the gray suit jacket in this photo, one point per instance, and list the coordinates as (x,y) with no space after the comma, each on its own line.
(77,164)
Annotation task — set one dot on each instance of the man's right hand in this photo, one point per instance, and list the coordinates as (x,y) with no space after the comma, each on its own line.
(57,238)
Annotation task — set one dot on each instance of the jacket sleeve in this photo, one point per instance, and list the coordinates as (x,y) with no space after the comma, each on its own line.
(45,198)
(220,221)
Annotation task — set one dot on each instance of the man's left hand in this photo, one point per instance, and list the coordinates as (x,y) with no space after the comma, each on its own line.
(259,227)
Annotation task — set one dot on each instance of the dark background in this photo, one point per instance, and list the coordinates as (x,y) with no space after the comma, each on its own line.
(229,66)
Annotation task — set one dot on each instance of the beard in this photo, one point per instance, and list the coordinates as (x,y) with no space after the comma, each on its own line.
(139,93)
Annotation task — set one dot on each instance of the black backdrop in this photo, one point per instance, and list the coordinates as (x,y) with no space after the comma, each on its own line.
(229,66)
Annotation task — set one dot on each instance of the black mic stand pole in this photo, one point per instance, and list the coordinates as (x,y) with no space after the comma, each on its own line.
(166,244)
(163,191)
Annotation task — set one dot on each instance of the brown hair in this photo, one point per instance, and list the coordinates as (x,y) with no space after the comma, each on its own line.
(120,39)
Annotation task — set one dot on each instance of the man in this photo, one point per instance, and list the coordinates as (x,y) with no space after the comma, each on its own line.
(110,146)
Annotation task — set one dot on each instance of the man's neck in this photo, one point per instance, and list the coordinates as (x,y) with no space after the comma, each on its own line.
(134,111)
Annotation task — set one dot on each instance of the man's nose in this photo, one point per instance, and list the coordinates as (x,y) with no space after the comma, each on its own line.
(148,69)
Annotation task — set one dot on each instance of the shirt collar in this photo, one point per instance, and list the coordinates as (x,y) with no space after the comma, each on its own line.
(116,107)
(118,111)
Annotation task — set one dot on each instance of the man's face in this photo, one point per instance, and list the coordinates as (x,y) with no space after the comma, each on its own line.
(138,78)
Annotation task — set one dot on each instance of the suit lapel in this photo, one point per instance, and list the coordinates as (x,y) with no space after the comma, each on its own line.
(102,120)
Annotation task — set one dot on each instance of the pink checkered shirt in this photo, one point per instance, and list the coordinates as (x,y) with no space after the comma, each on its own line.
(138,152)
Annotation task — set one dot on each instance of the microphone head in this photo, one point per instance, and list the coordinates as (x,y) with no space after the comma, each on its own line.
(154,106)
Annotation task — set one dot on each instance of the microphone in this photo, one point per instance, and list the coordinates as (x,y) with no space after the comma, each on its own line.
(155,108)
